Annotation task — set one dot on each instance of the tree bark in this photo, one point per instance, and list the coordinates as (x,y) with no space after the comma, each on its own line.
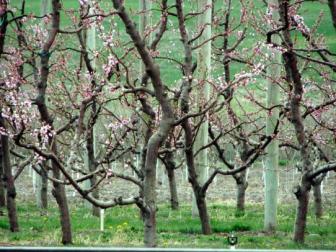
(332,7)
(59,193)
(174,203)
(242,185)
(199,196)
(203,213)
(318,200)
(302,195)
(9,181)
(42,187)
(170,167)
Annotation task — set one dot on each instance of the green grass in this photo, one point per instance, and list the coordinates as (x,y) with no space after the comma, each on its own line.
(175,228)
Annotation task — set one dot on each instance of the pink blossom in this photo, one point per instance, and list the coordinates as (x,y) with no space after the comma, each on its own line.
(83,2)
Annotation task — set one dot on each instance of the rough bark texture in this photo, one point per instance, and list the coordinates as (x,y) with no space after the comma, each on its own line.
(332,6)
(318,200)
(9,181)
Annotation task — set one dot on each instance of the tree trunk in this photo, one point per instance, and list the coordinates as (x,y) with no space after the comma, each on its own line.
(174,203)
(2,184)
(203,74)
(150,192)
(332,6)
(150,227)
(166,123)
(241,184)
(272,150)
(42,187)
(58,189)
(199,197)
(9,181)
(302,196)
(293,76)
(149,185)
(60,196)
(318,200)
(169,163)
(193,175)
(203,214)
